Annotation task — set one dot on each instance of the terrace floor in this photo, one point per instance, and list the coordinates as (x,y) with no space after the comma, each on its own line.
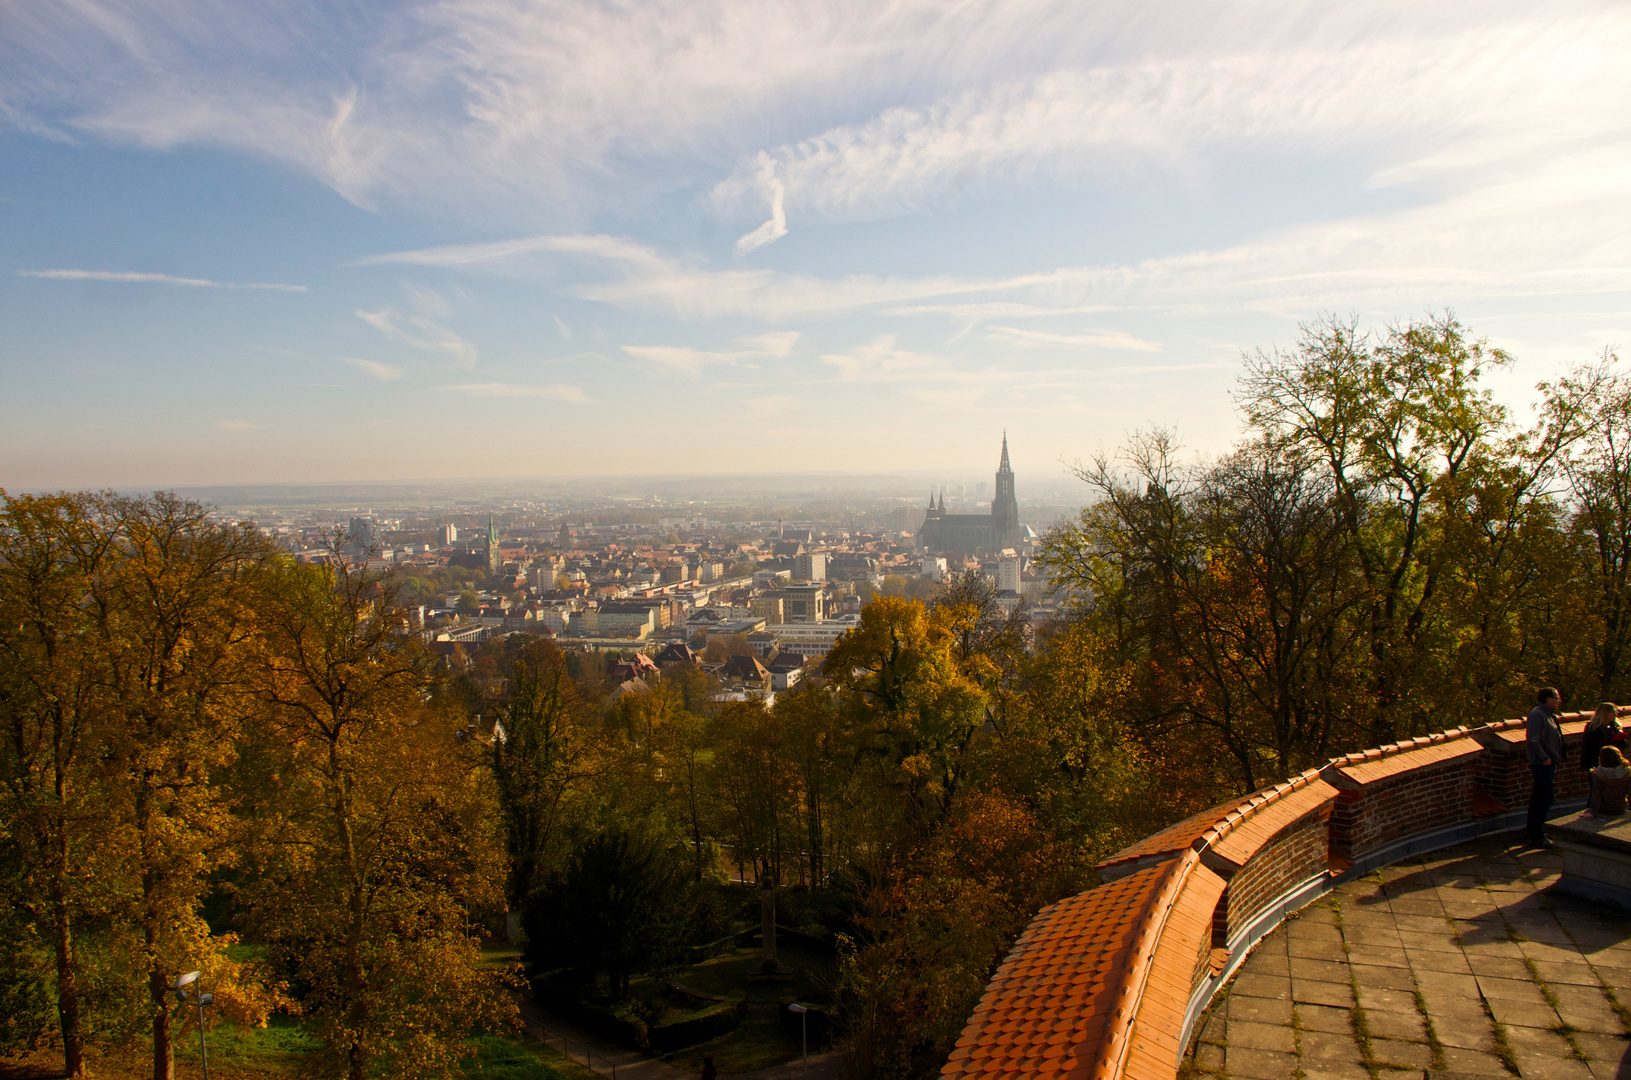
(1461,962)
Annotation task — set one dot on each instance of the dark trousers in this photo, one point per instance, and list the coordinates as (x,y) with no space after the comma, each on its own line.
(1540,800)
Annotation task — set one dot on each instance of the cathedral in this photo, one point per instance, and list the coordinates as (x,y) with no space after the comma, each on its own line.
(942,532)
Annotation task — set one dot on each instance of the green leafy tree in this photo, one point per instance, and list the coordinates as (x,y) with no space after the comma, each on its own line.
(540,760)
(619,907)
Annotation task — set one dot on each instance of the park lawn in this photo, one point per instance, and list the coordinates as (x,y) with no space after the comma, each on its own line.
(753,1045)
(727,976)
(749,1048)
(283,1048)
(504,1057)
(498,955)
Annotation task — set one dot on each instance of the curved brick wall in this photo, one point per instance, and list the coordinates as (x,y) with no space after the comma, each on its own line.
(1107,983)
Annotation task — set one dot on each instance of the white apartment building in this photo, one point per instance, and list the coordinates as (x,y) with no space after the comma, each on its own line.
(1009,568)
(813,638)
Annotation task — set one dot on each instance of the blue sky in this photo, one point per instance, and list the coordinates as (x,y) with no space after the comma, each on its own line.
(260,242)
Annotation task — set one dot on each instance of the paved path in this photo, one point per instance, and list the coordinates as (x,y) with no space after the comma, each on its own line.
(602,1054)
(1458,963)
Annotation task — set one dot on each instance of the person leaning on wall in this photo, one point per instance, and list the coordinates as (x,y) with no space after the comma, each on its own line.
(1543,740)
(1603,730)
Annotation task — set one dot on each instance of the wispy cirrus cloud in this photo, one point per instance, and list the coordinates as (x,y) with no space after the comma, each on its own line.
(685,360)
(419,332)
(135,277)
(882,360)
(374,369)
(1507,90)
(552,392)
(899,104)
(1104,339)
(1558,227)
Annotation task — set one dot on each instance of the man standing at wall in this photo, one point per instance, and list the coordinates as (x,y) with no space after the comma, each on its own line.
(1544,741)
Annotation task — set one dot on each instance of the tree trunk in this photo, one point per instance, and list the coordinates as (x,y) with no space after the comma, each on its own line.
(356,983)
(73,1039)
(158,984)
(164,1061)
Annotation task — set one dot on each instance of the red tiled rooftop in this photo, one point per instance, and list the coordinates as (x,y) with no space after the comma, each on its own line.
(1046,1008)
(1174,838)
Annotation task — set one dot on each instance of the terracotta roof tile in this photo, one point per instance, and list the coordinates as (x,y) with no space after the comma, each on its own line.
(1094,934)
(1264,819)
(1174,838)
(1416,757)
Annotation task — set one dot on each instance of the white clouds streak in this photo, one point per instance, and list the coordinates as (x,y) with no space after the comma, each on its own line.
(684,360)
(374,369)
(132,277)
(881,361)
(1505,90)
(1558,226)
(1106,339)
(552,392)
(872,106)
(418,332)
(776,227)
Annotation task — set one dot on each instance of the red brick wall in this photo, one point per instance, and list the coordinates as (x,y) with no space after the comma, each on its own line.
(1295,854)
(1410,803)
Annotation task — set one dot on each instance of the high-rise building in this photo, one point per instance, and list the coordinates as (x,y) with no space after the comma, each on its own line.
(1008,571)
(360,534)
(810,566)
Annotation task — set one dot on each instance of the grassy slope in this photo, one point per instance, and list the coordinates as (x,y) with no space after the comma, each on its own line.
(282,1049)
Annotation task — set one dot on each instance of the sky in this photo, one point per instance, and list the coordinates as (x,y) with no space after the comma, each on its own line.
(267,242)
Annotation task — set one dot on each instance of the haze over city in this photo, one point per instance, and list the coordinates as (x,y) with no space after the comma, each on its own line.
(251,243)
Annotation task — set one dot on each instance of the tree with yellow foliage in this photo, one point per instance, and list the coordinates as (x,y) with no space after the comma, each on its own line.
(57,713)
(383,833)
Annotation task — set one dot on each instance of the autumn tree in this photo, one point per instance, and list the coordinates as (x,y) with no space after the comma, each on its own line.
(812,747)
(539,758)
(909,713)
(173,625)
(1598,472)
(1394,419)
(751,784)
(383,837)
(58,711)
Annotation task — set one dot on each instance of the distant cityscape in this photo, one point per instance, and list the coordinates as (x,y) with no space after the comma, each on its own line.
(752,591)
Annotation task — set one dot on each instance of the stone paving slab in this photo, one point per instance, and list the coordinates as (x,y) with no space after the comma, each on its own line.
(1461,963)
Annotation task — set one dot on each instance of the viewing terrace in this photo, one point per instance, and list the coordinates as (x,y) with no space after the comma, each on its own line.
(1457,963)
(1369,918)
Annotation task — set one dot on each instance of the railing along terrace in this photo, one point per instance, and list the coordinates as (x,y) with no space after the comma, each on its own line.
(1108,984)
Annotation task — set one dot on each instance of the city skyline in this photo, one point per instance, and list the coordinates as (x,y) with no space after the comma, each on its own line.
(248,244)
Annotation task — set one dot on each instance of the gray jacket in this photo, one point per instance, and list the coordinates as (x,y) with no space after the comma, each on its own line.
(1543,737)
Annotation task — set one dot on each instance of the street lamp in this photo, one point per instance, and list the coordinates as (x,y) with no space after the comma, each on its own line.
(180,986)
(804,1034)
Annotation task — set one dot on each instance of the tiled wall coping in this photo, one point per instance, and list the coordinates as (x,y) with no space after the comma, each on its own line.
(1107,984)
